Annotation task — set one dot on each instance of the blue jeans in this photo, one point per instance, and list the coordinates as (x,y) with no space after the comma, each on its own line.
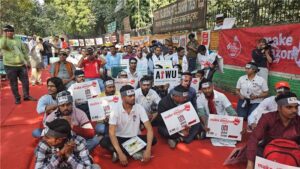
(245,111)
(92,143)
(100,81)
(194,130)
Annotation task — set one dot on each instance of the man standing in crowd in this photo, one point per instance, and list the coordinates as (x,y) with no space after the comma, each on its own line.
(180,59)
(263,57)
(192,52)
(91,66)
(179,95)
(77,119)
(15,60)
(113,59)
(124,124)
(63,69)
(147,97)
(170,54)
(156,56)
(129,53)
(132,74)
(283,123)
(207,61)
(211,101)
(142,61)
(251,89)
(62,149)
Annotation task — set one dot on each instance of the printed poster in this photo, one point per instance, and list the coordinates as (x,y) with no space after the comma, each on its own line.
(85,90)
(165,76)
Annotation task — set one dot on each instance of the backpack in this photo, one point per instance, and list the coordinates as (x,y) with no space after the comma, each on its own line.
(283,151)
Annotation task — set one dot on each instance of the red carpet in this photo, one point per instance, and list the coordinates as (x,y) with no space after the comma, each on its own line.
(17,144)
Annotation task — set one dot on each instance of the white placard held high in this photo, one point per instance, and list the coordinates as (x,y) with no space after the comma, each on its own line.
(164,76)
(180,117)
(85,90)
(261,163)
(134,145)
(226,127)
(101,107)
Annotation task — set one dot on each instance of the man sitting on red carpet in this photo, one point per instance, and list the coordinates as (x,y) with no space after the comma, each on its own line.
(78,120)
(62,149)
(281,124)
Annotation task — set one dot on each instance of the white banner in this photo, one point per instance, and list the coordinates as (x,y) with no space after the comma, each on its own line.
(261,163)
(164,76)
(195,84)
(180,117)
(101,107)
(85,90)
(119,82)
(165,64)
(226,127)
(134,145)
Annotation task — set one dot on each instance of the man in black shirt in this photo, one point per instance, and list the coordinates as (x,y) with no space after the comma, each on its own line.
(262,56)
(178,96)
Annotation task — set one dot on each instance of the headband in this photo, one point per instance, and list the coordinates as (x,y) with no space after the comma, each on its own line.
(178,93)
(64,99)
(109,82)
(147,82)
(53,133)
(287,101)
(128,92)
(206,84)
(282,89)
(250,66)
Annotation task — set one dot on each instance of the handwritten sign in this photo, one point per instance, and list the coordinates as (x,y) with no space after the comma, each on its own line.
(165,76)
(85,90)
(102,107)
(261,163)
(180,117)
(227,127)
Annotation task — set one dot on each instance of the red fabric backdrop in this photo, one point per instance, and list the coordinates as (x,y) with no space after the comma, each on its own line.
(236,45)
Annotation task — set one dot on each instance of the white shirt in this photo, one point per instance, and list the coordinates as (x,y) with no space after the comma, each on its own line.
(184,64)
(128,125)
(134,78)
(255,87)
(168,56)
(221,103)
(206,60)
(267,105)
(155,58)
(148,100)
(142,65)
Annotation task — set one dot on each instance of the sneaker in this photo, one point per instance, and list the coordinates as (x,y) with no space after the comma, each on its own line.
(138,155)
(29,98)
(115,157)
(18,101)
(172,143)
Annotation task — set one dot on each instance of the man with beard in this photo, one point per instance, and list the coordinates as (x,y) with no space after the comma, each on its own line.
(109,87)
(124,124)
(132,73)
(186,80)
(77,119)
(147,97)
(211,101)
(62,149)
(156,56)
(178,96)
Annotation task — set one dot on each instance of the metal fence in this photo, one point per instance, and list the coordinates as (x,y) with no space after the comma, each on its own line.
(254,12)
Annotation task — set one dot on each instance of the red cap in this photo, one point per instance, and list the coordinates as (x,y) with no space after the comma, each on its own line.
(281,84)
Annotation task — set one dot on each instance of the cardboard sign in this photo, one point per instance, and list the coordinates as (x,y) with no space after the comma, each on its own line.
(74,58)
(125,62)
(165,64)
(180,117)
(89,42)
(85,90)
(195,84)
(134,145)
(99,41)
(74,42)
(227,127)
(164,76)
(81,42)
(101,107)
(261,163)
(119,82)
(238,155)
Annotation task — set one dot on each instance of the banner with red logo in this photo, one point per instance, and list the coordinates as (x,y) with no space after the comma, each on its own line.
(236,46)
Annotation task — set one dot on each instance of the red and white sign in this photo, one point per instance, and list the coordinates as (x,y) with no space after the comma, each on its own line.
(120,82)
(85,90)
(100,108)
(261,163)
(166,76)
(226,127)
(195,84)
(236,45)
(205,38)
(180,117)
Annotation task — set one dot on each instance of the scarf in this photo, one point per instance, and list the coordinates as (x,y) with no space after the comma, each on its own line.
(211,104)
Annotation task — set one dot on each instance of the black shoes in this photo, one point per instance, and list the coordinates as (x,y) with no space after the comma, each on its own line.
(29,98)
(18,101)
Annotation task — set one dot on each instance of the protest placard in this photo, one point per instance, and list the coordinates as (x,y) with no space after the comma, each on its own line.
(180,117)
(119,82)
(238,155)
(165,64)
(125,63)
(261,163)
(85,90)
(102,107)
(134,145)
(81,42)
(99,41)
(164,76)
(74,58)
(89,42)
(227,127)
(74,42)
(195,84)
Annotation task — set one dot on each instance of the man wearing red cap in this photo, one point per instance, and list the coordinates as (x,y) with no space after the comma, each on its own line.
(268,105)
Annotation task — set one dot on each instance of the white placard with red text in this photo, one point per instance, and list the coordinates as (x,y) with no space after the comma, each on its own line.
(85,90)
(120,82)
(164,76)
(195,84)
(226,127)
(261,163)
(180,117)
(101,107)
